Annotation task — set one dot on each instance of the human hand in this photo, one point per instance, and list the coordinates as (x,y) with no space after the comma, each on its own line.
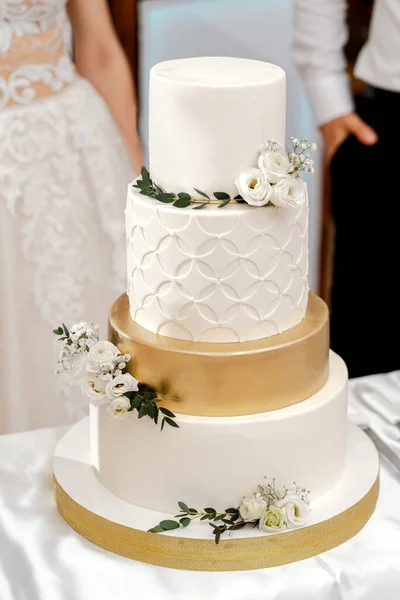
(336,131)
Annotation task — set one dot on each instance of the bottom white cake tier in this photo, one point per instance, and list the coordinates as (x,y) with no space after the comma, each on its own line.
(215,461)
(120,527)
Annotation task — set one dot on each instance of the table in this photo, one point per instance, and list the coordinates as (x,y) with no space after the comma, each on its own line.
(42,558)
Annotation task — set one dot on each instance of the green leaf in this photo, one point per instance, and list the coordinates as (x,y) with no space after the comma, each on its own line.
(169,524)
(149,396)
(184,196)
(182,203)
(66,330)
(192,511)
(217,535)
(151,411)
(204,517)
(61,339)
(167,412)
(229,521)
(231,511)
(199,206)
(185,521)
(156,415)
(146,176)
(183,507)
(238,197)
(156,529)
(170,422)
(140,184)
(58,331)
(162,424)
(136,402)
(237,526)
(222,196)
(210,510)
(223,203)
(166,197)
(147,192)
(142,411)
(202,193)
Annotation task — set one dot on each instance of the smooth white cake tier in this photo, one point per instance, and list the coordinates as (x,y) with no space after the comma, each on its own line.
(208,117)
(233,274)
(214,461)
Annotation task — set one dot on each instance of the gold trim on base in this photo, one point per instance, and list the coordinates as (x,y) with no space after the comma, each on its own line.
(218,380)
(237,554)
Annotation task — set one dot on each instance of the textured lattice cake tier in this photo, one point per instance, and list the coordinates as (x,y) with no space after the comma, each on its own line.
(228,379)
(216,275)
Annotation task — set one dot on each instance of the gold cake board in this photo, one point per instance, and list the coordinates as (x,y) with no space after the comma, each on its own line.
(119,527)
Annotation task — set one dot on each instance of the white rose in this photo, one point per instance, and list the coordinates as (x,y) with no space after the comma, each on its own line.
(118,408)
(274,165)
(295,510)
(289,192)
(253,187)
(121,384)
(94,389)
(102,353)
(272,520)
(250,509)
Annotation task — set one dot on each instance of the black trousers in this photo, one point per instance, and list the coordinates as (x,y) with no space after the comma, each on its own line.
(365,316)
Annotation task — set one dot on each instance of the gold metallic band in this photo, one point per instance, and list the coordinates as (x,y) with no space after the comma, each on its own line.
(238,554)
(209,379)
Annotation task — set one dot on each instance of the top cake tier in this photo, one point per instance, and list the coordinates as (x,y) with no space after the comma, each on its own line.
(207,119)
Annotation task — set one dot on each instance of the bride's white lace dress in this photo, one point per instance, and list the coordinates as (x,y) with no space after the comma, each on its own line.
(63,175)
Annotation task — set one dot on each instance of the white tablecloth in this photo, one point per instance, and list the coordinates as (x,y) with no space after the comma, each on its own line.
(42,558)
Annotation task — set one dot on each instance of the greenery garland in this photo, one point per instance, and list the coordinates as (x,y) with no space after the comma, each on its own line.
(147,187)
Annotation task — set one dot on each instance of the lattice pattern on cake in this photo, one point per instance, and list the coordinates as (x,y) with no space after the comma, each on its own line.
(216,276)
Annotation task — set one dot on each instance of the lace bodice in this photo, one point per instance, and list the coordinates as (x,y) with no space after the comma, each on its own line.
(33,57)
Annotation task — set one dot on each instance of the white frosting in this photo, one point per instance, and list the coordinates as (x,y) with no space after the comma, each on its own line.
(216,275)
(208,117)
(214,461)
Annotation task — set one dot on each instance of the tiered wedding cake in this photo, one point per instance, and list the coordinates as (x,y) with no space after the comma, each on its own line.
(219,322)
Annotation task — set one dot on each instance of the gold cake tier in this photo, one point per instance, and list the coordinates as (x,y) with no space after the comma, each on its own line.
(209,379)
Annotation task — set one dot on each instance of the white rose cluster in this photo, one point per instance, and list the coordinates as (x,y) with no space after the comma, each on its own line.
(105,382)
(277,179)
(274,509)
(98,368)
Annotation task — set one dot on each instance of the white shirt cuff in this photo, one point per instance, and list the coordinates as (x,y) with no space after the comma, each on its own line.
(330,97)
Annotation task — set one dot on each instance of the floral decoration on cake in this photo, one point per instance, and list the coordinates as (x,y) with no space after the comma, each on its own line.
(276,179)
(98,367)
(271,509)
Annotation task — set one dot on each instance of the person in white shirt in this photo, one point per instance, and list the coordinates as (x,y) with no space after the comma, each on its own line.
(361,141)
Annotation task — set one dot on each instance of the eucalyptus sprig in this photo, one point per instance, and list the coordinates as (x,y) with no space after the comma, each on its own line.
(220,522)
(145,401)
(148,187)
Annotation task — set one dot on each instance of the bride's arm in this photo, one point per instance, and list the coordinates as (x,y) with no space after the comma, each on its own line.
(100,58)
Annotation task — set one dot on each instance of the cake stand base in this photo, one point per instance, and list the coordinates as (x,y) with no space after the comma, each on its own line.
(117,526)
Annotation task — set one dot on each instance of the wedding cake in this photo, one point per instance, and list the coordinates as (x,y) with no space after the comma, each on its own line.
(218,335)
